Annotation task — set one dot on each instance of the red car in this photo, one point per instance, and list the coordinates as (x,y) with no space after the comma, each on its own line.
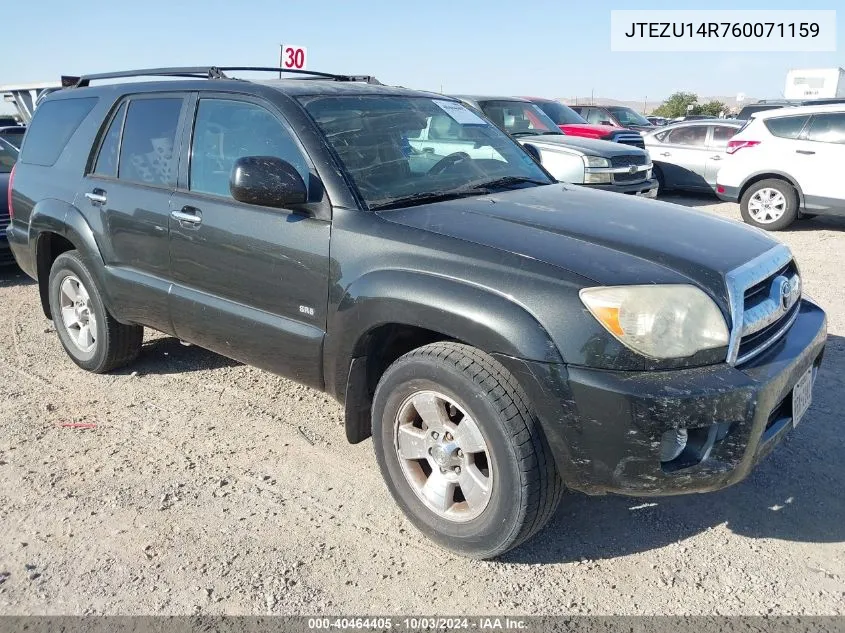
(572,123)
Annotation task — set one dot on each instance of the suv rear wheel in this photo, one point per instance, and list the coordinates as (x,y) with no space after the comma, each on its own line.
(770,204)
(460,451)
(90,335)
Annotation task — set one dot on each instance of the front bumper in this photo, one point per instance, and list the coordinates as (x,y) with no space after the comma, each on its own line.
(645,188)
(728,194)
(605,427)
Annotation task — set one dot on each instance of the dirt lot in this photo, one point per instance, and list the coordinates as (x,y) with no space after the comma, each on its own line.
(209,487)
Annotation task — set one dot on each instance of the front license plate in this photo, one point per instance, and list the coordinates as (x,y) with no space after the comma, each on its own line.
(802,396)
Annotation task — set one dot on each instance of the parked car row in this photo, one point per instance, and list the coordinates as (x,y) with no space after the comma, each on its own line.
(501,337)
(10,143)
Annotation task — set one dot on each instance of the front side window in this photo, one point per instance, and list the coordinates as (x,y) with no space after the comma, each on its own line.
(787,126)
(226,130)
(402,150)
(689,135)
(827,128)
(149,136)
(627,116)
(519,118)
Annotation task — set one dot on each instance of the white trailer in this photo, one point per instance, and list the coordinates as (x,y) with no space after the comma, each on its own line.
(815,83)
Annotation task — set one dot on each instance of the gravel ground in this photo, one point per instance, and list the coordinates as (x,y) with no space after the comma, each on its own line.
(204,486)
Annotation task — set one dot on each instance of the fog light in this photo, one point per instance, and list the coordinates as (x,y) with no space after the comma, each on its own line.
(672,444)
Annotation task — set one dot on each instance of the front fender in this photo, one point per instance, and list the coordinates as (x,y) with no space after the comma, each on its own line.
(475,315)
(54,217)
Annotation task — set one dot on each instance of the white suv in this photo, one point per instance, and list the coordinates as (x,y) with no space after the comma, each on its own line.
(785,164)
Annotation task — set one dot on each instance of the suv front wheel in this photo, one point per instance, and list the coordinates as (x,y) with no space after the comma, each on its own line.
(770,204)
(90,335)
(460,451)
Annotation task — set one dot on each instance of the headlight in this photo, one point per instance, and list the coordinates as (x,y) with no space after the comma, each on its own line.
(658,321)
(595,161)
(596,179)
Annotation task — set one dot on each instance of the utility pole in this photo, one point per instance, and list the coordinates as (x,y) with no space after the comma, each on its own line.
(592,99)
(645,105)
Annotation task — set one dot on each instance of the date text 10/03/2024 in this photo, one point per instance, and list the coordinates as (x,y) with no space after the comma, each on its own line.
(723,29)
(419,623)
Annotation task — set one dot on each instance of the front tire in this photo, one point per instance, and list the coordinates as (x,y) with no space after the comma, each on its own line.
(91,336)
(460,451)
(771,205)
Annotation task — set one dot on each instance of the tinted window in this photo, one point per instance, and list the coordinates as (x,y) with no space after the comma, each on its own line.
(722,133)
(107,158)
(787,126)
(51,128)
(687,135)
(627,116)
(149,136)
(227,130)
(8,156)
(15,137)
(827,128)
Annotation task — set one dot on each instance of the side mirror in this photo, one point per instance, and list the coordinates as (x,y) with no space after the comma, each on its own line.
(266,181)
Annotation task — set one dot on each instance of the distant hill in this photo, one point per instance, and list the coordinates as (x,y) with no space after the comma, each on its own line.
(649,106)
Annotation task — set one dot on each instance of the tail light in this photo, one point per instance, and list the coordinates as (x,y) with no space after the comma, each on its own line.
(735,146)
(9,192)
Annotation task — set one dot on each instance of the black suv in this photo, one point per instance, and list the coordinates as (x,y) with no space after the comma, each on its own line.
(499,334)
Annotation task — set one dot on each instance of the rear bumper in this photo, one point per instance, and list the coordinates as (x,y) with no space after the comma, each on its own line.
(728,194)
(17,239)
(605,427)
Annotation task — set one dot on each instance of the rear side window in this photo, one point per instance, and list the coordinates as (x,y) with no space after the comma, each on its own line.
(787,126)
(107,158)
(149,136)
(51,128)
(827,128)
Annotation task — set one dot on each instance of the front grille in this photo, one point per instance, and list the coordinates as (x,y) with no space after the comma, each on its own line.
(630,139)
(765,299)
(628,159)
(627,178)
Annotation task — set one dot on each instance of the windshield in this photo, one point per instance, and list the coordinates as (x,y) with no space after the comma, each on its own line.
(519,118)
(627,116)
(560,114)
(8,156)
(410,150)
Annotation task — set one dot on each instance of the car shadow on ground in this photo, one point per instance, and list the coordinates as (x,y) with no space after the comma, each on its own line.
(796,494)
(11,275)
(688,198)
(168,356)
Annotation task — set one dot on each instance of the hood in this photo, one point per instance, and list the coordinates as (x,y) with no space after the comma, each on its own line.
(609,238)
(590,130)
(591,146)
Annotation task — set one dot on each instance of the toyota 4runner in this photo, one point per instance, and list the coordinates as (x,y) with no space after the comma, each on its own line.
(499,334)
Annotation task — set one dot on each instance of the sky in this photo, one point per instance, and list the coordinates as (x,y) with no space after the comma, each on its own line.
(544,48)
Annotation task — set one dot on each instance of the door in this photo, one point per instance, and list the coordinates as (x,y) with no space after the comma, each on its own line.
(818,157)
(127,194)
(717,143)
(250,282)
(682,156)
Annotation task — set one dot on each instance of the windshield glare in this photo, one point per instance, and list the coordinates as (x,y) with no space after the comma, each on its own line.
(627,116)
(561,114)
(410,148)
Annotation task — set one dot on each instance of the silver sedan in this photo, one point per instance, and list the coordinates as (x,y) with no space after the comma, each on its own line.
(688,155)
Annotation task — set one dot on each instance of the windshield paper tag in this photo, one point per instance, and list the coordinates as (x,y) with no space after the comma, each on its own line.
(460,113)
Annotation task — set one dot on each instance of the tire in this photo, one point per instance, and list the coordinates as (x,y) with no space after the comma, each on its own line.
(522,478)
(771,205)
(108,344)
(661,180)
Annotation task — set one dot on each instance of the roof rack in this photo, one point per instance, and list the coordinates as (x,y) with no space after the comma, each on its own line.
(206,72)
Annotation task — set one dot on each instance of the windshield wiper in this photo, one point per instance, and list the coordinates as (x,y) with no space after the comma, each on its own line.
(505,181)
(423,198)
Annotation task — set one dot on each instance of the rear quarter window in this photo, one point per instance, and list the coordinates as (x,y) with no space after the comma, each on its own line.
(786,126)
(51,128)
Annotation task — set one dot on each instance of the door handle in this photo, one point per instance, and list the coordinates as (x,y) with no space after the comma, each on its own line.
(804,151)
(97,197)
(716,157)
(666,154)
(187,215)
